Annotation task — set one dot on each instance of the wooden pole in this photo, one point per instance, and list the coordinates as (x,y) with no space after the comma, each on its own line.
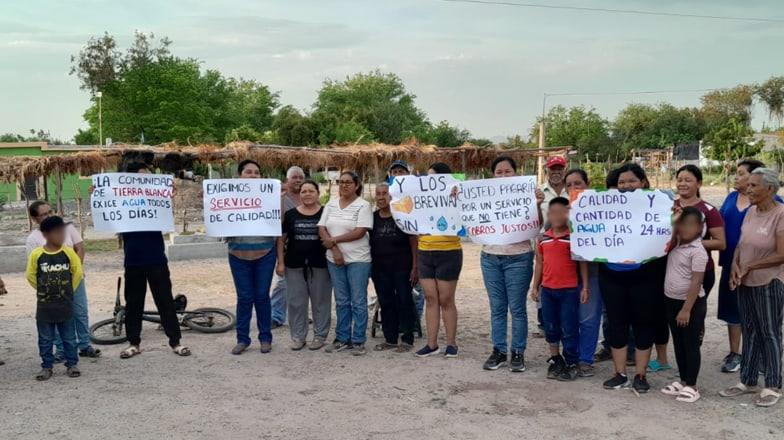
(59,190)
(78,193)
(27,207)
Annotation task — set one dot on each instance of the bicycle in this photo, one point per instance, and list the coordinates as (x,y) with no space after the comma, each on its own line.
(204,320)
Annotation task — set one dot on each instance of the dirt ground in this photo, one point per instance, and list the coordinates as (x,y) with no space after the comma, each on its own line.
(285,394)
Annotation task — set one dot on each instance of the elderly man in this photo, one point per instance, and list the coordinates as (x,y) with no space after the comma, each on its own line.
(294,178)
(555,186)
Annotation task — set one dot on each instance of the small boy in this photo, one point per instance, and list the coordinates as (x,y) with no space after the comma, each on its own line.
(556,275)
(55,271)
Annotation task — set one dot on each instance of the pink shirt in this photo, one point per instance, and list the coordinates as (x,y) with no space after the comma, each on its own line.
(758,240)
(36,238)
(682,263)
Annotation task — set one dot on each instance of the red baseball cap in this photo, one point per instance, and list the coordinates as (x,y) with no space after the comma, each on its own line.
(554,161)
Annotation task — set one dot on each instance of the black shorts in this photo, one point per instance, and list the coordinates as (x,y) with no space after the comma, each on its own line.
(440,265)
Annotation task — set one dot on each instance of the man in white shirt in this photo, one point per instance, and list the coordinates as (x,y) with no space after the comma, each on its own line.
(39,211)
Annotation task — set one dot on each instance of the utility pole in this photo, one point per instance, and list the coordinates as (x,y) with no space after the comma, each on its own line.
(540,158)
(99,95)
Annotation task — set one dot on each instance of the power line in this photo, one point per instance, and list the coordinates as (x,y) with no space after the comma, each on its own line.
(644,92)
(618,11)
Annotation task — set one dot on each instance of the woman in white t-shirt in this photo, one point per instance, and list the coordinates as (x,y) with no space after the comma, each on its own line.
(39,211)
(344,229)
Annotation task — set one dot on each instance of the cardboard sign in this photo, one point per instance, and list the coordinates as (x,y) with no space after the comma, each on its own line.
(499,211)
(426,205)
(130,202)
(615,227)
(242,207)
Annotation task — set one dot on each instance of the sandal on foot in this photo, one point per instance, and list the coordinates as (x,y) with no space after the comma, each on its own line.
(673,389)
(737,390)
(384,346)
(181,350)
(73,372)
(45,374)
(130,352)
(768,397)
(688,395)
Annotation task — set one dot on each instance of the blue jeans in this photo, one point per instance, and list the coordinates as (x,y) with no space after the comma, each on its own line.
(46,335)
(419,300)
(590,321)
(278,299)
(507,278)
(252,279)
(350,283)
(561,320)
(81,321)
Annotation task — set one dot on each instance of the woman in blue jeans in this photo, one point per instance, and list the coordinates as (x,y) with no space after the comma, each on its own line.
(344,229)
(591,311)
(507,270)
(252,263)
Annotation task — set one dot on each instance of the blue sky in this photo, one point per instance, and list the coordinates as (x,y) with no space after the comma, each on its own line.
(482,67)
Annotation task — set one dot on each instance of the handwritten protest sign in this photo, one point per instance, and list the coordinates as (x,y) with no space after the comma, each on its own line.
(242,207)
(425,205)
(129,202)
(615,227)
(499,211)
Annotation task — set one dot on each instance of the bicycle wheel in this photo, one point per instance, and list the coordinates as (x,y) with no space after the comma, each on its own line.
(107,332)
(209,320)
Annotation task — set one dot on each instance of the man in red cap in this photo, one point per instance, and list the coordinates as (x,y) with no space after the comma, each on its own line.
(554,186)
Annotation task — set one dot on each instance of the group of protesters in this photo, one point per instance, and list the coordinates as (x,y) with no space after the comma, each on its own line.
(337,248)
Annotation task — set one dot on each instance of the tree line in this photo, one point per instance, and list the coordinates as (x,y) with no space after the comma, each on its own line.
(149,95)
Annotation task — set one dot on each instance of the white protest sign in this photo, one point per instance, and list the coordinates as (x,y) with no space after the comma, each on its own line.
(242,207)
(499,211)
(615,227)
(130,202)
(425,205)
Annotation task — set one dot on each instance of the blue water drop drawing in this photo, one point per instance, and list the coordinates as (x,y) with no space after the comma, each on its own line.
(442,224)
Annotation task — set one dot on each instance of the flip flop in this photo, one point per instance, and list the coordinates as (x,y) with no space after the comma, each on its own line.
(45,374)
(673,389)
(654,366)
(73,372)
(768,398)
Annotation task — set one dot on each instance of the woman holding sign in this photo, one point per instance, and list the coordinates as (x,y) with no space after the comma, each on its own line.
(301,260)
(344,229)
(440,261)
(758,274)
(633,295)
(252,262)
(507,270)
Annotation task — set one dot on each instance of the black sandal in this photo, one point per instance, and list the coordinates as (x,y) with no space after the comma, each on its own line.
(90,352)
(73,372)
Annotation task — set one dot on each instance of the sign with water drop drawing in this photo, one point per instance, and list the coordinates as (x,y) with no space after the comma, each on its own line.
(426,205)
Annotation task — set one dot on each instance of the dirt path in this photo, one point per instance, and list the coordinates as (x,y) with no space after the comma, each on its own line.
(285,394)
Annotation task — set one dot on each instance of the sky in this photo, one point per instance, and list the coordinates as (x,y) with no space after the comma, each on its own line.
(481,67)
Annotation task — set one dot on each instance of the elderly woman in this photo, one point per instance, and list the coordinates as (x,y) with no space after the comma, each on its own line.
(758,274)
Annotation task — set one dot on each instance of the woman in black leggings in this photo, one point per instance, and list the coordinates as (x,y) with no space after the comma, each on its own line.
(633,296)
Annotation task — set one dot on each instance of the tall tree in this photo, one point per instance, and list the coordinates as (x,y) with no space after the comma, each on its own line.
(732,141)
(293,128)
(376,101)
(659,126)
(720,106)
(771,93)
(584,129)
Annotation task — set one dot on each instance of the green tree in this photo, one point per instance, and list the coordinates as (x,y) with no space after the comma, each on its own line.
(352,132)
(447,136)
(732,141)
(293,128)
(152,96)
(659,126)
(771,93)
(39,135)
(377,101)
(581,128)
(720,106)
